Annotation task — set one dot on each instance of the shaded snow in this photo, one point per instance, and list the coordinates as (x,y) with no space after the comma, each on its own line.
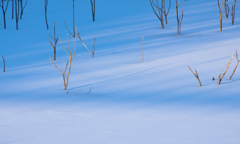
(158,101)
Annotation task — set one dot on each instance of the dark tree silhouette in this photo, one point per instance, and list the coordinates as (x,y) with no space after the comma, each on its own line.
(22,7)
(4,10)
(45,5)
(12,9)
(17,9)
(55,39)
(93,8)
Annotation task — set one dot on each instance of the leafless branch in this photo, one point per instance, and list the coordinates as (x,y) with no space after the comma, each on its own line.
(68,29)
(22,7)
(87,47)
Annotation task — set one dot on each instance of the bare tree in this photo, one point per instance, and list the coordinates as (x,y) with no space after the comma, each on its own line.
(73,35)
(87,47)
(220,77)
(160,11)
(226,8)
(22,7)
(4,10)
(17,9)
(196,75)
(55,42)
(235,66)
(3,63)
(142,49)
(93,8)
(221,13)
(179,18)
(233,11)
(45,6)
(71,53)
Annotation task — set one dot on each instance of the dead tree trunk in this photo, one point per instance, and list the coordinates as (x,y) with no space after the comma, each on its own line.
(196,75)
(22,7)
(4,10)
(93,52)
(3,63)
(220,76)
(235,66)
(93,8)
(17,9)
(160,11)
(55,42)
(221,13)
(179,18)
(71,53)
(233,11)
(226,7)
(45,6)
(73,35)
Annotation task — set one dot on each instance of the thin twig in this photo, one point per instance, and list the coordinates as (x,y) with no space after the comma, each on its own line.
(89,90)
(3,63)
(87,47)
(68,29)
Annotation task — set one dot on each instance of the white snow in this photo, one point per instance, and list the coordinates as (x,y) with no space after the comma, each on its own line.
(158,101)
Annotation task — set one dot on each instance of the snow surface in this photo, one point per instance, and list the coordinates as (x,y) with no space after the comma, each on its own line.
(158,101)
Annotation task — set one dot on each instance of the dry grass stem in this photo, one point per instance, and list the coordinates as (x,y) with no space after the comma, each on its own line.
(196,75)
(235,66)
(220,77)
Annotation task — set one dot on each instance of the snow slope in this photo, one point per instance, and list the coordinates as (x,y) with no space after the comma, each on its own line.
(158,101)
